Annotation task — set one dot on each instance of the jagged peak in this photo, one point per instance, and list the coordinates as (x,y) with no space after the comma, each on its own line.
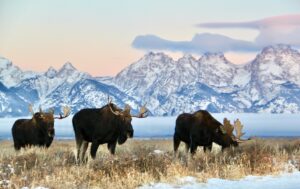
(273,51)
(278,48)
(66,70)
(187,57)
(51,72)
(156,56)
(213,56)
(4,62)
(68,66)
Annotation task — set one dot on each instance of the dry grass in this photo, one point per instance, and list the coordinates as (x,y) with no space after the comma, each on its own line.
(136,164)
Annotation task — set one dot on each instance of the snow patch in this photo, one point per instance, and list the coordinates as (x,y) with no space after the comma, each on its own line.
(283,181)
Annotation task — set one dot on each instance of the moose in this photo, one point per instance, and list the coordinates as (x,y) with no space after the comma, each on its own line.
(37,131)
(108,124)
(202,129)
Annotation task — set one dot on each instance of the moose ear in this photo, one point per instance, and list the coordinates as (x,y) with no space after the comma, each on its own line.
(220,130)
(38,115)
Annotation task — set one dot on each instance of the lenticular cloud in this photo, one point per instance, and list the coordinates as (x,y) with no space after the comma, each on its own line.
(273,30)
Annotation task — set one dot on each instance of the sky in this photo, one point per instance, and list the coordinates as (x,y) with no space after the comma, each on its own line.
(103,37)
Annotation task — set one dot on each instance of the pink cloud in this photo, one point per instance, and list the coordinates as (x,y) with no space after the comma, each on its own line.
(272,30)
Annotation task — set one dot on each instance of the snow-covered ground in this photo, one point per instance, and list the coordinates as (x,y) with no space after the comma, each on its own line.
(283,181)
(261,125)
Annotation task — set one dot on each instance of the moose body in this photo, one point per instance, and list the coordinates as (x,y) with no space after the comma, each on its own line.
(27,132)
(108,124)
(200,129)
(37,131)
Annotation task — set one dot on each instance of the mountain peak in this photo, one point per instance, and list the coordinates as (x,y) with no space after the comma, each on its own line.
(186,57)
(278,49)
(51,72)
(158,56)
(277,53)
(68,66)
(215,57)
(66,70)
(4,63)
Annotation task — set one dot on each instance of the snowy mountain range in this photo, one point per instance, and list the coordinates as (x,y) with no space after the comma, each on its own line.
(270,83)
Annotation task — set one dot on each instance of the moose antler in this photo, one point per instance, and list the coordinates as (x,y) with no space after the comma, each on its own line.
(66,111)
(142,113)
(238,130)
(228,127)
(109,103)
(30,109)
(126,110)
(117,113)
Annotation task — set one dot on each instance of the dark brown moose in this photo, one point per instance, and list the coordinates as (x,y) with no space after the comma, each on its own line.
(37,131)
(108,124)
(202,129)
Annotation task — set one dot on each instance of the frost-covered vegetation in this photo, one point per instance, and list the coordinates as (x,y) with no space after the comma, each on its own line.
(140,162)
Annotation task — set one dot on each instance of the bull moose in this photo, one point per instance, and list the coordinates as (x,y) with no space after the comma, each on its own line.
(37,131)
(108,124)
(202,129)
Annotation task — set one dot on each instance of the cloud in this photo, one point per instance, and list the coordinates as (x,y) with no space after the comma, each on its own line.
(273,30)
(275,21)
(200,43)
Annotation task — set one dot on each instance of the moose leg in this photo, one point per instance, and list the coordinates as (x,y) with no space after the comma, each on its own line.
(79,142)
(84,147)
(112,147)
(176,142)
(17,146)
(187,147)
(94,148)
(209,147)
(193,147)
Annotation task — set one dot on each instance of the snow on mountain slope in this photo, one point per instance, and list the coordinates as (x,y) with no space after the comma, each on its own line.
(274,66)
(139,77)
(254,87)
(270,83)
(10,103)
(11,75)
(87,93)
(90,93)
(47,83)
(217,72)
(161,87)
